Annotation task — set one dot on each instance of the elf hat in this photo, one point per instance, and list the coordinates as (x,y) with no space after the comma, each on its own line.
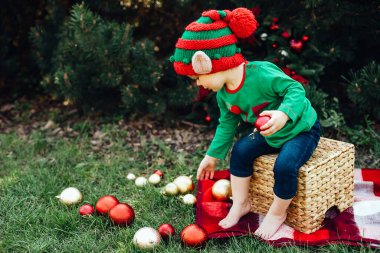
(208,45)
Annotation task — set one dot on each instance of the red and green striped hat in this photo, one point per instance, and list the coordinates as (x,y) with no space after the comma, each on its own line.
(215,34)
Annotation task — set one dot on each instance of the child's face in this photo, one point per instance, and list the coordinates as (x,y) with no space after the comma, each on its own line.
(212,82)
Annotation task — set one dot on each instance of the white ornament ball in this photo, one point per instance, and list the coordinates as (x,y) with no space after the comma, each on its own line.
(264,36)
(70,196)
(131,176)
(146,238)
(184,184)
(154,179)
(189,199)
(171,189)
(221,190)
(284,53)
(141,181)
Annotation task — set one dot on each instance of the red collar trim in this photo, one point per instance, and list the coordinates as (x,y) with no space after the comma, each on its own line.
(240,85)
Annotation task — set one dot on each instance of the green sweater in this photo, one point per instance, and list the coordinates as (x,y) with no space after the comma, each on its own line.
(264,87)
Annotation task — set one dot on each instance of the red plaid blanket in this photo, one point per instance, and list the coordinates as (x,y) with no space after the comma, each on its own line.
(357,225)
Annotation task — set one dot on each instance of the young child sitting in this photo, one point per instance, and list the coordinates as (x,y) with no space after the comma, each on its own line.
(207,53)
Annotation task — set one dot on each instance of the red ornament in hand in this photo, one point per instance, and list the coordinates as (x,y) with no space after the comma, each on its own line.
(122,214)
(194,235)
(86,209)
(261,121)
(166,230)
(105,203)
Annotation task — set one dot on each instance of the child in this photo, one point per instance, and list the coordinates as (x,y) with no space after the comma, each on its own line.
(207,52)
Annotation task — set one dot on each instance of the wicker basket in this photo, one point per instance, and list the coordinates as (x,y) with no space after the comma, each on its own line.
(326,180)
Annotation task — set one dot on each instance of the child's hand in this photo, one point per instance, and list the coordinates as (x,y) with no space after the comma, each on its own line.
(277,121)
(206,168)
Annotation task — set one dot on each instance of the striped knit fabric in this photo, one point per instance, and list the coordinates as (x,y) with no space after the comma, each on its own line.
(216,34)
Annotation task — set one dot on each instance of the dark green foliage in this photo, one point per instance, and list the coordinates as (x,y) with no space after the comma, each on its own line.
(364,90)
(97,64)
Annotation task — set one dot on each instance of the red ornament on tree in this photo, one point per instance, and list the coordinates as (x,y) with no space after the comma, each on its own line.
(274,45)
(256,11)
(208,118)
(202,93)
(296,45)
(274,27)
(300,79)
(285,35)
(305,38)
(275,19)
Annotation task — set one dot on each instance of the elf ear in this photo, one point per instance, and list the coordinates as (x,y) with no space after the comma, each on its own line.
(201,63)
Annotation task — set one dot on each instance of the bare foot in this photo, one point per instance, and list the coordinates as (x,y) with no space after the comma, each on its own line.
(270,225)
(236,212)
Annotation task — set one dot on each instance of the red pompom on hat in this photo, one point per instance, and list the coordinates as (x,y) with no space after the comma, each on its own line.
(242,22)
(215,34)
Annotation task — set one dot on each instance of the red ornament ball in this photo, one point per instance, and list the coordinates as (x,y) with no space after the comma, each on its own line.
(261,121)
(208,118)
(296,45)
(305,38)
(285,35)
(274,45)
(86,209)
(274,27)
(105,203)
(194,235)
(275,19)
(159,172)
(166,230)
(122,214)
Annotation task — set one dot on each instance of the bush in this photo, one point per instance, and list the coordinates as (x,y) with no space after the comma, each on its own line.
(97,65)
(364,90)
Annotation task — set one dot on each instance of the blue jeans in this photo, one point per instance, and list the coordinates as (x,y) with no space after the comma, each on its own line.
(291,156)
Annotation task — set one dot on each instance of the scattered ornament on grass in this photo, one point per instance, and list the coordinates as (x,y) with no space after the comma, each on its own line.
(70,196)
(260,121)
(194,235)
(184,184)
(146,238)
(154,179)
(105,203)
(141,181)
(189,199)
(159,172)
(166,230)
(221,190)
(122,214)
(171,189)
(131,176)
(86,209)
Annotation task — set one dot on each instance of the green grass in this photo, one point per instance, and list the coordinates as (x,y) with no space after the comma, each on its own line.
(33,170)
